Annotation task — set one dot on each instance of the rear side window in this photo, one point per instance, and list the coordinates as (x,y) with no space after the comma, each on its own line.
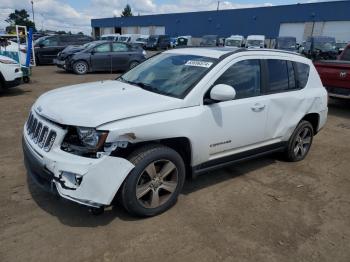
(302,71)
(278,76)
(244,77)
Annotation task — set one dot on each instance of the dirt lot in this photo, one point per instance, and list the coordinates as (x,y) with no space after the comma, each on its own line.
(263,210)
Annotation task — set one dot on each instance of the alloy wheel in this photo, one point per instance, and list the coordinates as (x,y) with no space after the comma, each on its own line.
(81,68)
(302,142)
(157,183)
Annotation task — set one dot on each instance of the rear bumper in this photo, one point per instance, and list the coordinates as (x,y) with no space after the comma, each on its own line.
(339,92)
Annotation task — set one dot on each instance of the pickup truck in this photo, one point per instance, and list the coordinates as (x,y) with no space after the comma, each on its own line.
(335,74)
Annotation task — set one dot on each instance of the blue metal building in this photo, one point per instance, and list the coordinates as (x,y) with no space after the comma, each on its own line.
(262,20)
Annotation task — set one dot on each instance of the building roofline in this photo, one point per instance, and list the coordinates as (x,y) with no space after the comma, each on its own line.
(225,10)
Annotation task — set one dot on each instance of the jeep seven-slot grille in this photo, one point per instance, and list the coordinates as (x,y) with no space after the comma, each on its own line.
(39,133)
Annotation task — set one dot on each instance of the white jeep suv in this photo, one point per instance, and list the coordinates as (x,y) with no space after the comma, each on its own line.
(182,112)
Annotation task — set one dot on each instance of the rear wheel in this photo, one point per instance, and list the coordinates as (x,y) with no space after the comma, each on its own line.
(300,142)
(80,67)
(154,184)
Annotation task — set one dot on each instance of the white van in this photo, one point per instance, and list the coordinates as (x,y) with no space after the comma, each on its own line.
(234,41)
(142,40)
(255,41)
(128,38)
(112,37)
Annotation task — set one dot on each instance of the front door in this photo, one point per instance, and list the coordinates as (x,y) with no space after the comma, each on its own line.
(237,125)
(101,58)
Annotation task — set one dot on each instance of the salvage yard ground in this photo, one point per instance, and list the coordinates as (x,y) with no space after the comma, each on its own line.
(262,210)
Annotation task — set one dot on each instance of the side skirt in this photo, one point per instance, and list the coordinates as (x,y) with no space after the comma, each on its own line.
(237,158)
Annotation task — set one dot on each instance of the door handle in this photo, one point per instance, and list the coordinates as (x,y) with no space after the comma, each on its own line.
(258,107)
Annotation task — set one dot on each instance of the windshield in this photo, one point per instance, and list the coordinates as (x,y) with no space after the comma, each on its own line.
(123,38)
(341,45)
(169,74)
(209,40)
(258,43)
(39,40)
(286,43)
(324,44)
(140,39)
(231,42)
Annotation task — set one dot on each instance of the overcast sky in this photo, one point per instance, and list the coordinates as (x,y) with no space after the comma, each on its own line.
(75,15)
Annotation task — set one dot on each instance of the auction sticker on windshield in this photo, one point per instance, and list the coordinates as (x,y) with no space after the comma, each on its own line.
(199,63)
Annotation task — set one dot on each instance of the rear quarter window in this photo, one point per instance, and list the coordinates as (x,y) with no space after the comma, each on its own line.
(302,72)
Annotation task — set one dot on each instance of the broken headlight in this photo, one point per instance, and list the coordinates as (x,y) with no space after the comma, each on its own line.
(91,137)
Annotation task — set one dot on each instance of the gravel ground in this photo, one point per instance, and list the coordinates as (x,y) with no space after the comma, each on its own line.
(262,210)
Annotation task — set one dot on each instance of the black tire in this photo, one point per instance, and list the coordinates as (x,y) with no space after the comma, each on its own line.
(133,64)
(300,142)
(37,61)
(80,67)
(143,158)
(26,79)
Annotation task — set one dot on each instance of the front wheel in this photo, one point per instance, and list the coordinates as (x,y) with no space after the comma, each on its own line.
(300,142)
(80,67)
(154,184)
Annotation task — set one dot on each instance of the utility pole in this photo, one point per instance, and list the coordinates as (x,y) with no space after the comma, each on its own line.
(32,2)
(218,6)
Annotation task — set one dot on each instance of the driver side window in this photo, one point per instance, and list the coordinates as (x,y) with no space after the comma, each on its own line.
(244,77)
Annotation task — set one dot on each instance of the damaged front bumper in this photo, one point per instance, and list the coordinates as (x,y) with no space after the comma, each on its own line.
(88,181)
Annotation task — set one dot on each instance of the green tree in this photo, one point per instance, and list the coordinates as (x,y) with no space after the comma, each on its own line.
(19,17)
(126,11)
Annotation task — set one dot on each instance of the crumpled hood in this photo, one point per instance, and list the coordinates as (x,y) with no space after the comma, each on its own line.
(96,103)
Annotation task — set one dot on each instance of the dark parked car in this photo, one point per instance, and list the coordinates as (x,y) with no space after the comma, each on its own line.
(47,47)
(288,43)
(210,40)
(320,48)
(60,60)
(156,42)
(105,56)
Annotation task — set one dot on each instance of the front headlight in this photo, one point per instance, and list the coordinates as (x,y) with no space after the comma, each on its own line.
(91,137)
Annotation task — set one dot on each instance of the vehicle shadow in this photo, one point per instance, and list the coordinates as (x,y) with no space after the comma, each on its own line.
(339,108)
(74,215)
(16,91)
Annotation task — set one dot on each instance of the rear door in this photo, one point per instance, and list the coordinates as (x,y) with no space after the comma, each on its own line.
(287,102)
(49,49)
(101,58)
(121,55)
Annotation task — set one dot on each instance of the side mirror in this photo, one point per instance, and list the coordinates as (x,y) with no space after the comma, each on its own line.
(222,92)
(92,51)
(41,45)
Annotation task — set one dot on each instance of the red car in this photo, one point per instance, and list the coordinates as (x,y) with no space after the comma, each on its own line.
(335,74)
